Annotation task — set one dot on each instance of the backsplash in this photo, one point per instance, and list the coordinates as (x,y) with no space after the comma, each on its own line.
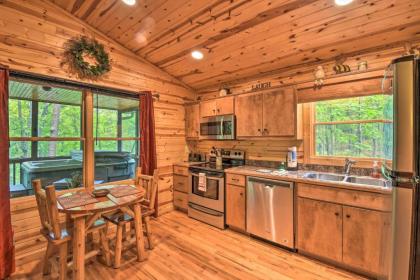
(312,167)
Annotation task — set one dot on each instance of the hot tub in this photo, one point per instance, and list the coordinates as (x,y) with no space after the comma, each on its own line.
(109,166)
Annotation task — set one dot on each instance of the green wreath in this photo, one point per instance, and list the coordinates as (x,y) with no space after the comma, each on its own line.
(78,49)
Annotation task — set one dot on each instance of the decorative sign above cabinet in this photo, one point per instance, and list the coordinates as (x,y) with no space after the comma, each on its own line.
(261,86)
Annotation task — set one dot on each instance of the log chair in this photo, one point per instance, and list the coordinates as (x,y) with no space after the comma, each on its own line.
(57,235)
(124,220)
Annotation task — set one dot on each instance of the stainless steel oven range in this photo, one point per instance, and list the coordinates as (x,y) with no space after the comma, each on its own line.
(207,198)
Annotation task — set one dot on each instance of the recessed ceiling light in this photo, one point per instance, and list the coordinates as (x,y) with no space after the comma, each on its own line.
(342,2)
(197,55)
(129,2)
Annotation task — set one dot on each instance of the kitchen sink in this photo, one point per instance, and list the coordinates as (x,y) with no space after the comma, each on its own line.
(324,176)
(347,179)
(367,181)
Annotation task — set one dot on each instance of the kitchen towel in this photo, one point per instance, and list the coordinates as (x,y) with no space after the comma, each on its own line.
(202,182)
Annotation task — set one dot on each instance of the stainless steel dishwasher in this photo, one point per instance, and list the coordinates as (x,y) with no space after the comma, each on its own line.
(269,210)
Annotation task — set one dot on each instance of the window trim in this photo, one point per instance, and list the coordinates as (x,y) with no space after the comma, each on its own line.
(310,156)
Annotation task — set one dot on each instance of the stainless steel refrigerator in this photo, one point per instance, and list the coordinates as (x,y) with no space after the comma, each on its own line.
(405,168)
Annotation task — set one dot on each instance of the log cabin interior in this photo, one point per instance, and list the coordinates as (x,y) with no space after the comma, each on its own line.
(210,139)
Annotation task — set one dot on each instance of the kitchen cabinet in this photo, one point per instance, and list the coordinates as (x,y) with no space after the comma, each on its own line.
(279,113)
(249,114)
(270,114)
(366,239)
(235,207)
(217,107)
(180,186)
(180,183)
(349,227)
(235,179)
(320,228)
(192,121)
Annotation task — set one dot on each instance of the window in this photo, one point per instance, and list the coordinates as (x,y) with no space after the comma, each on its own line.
(359,127)
(116,137)
(47,136)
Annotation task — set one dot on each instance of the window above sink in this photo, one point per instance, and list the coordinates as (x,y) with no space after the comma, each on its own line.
(355,127)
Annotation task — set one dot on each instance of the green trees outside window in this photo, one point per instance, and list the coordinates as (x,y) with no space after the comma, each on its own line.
(354,127)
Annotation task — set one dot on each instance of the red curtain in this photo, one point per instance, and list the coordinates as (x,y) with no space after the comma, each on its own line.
(148,160)
(7,250)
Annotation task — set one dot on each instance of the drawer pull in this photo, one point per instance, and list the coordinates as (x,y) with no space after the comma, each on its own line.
(235,179)
(348,216)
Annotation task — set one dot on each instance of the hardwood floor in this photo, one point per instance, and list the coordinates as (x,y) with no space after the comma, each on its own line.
(188,249)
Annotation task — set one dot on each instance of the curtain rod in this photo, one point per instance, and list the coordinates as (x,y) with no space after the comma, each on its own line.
(79,85)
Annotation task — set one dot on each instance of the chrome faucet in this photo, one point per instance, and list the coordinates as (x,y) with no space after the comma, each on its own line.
(347,166)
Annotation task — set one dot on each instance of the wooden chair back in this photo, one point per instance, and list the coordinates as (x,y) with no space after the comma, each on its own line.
(47,208)
(150,185)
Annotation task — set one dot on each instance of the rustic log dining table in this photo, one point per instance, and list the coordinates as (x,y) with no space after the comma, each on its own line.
(82,217)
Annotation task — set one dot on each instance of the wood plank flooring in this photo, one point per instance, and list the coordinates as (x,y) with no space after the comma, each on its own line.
(188,249)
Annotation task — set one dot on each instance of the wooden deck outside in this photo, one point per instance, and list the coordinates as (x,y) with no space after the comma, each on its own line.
(188,249)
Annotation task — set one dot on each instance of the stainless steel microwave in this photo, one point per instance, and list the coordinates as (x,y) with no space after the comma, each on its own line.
(218,127)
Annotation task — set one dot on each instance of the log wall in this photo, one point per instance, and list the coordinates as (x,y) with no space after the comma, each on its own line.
(32,34)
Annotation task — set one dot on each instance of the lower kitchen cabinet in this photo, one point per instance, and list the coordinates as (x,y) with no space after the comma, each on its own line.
(235,206)
(319,228)
(181,200)
(180,186)
(355,237)
(366,239)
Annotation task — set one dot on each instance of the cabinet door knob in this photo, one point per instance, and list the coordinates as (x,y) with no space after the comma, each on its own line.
(241,193)
(348,216)
(336,213)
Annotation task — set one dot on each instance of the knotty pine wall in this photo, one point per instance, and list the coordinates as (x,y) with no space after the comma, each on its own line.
(32,34)
(300,76)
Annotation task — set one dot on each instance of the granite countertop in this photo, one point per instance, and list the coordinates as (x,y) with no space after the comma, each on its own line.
(297,176)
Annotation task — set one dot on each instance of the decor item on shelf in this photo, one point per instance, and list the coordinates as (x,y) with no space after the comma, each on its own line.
(87,58)
(319,77)
(341,68)
(224,91)
(410,50)
(362,66)
(260,86)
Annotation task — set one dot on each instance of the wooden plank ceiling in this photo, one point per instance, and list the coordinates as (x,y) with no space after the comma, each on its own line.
(243,38)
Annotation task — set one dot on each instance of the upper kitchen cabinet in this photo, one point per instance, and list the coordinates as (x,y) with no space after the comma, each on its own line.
(249,114)
(217,107)
(279,113)
(270,114)
(192,122)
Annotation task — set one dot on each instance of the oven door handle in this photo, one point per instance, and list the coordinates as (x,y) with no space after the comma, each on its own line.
(210,177)
(205,210)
